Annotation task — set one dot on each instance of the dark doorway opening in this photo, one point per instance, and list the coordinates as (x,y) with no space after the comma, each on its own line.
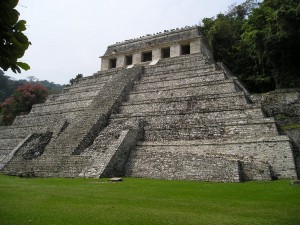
(112,63)
(129,60)
(165,53)
(146,56)
(185,49)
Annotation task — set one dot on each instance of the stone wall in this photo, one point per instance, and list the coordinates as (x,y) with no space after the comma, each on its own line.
(284,105)
(181,165)
(154,44)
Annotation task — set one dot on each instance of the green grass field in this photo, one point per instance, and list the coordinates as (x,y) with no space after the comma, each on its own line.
(145,201)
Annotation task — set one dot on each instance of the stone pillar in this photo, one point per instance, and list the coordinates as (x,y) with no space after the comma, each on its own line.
(175,50)
(136,58)
(104,64)
(156,54)
(120,61)
(195,46)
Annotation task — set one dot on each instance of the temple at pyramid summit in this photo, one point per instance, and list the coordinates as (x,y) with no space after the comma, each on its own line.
(160,107)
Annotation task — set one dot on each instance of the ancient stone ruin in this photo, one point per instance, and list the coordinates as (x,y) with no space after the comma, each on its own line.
(160,108)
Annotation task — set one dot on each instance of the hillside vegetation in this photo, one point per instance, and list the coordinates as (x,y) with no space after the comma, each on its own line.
(18,96)
(259,42)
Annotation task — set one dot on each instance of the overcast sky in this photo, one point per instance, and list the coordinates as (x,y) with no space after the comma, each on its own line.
(68,36)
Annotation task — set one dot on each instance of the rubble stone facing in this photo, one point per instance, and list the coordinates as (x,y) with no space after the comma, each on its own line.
(284,105)
(183,117)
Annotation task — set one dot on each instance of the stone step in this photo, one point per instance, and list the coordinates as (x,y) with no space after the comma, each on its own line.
(36,120)
(219,146)
(84,88)
(184,103)
(186,72)
(77,111)
(4,151)
(49,116)
(66,101)
(73,111)
(177,66)
(10,143)
(246,111)
(74,95)
(178,75)
(186,122)
(164,159)
(89,82)
(169,132)
(100,76)
(218,87)
(61,166)
(198,68)
(183,165)
(61,106)
(20,131)
(181,60)
(178,82)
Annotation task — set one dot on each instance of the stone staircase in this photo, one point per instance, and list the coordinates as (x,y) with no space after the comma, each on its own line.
(82,122)
(182,118)
(199,125)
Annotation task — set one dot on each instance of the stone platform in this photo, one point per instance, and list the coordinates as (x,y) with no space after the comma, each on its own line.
(159,108)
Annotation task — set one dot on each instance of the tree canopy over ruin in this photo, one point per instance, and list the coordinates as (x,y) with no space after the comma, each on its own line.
(259,42)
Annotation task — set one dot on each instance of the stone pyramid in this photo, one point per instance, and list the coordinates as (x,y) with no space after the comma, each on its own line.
(160,108)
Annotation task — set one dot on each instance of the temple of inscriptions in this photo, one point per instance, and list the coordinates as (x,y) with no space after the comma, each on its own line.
(159,108)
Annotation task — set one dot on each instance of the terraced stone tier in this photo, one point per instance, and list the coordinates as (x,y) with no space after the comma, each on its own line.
(70,166)
(176,159)
(20,131)
(99,77)
(225,130)
(186,104)
(183,91)
(61,156)
(196,60)
(184,166)
(185,74)
(197,69)
(61,106)
(35,121)
(178,81)
(8,143)
(74,95)
(64,113)
(87,87)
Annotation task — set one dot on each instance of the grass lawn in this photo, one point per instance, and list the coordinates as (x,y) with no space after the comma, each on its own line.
(144,201)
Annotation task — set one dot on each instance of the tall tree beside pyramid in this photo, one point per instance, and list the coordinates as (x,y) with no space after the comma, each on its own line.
(13,42)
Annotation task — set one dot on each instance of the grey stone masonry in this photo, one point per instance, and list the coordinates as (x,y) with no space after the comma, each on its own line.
(160,108)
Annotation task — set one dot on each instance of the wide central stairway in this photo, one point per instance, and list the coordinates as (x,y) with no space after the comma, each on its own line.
(183,119)
(199,125)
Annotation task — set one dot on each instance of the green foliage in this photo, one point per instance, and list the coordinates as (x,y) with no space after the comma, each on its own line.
(273,30)
(76,79)
(13,43)
(22,100)
(281,116)
(291,127)
(258,42)
(8,86)
(144,201)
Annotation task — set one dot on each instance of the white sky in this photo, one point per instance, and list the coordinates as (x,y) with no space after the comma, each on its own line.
(68,36)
